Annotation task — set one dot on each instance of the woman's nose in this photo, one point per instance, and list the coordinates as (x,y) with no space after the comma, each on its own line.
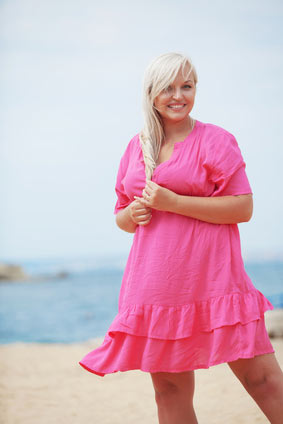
(177,94)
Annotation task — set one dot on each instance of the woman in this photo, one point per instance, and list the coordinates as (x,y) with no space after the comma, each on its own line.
(186,301)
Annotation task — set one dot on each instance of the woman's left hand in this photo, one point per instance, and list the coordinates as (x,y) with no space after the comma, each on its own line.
(157,197)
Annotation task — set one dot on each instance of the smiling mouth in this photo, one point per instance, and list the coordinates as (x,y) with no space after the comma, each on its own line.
(176,107)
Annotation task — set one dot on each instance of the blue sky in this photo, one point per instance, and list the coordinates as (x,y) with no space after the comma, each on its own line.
(71,79)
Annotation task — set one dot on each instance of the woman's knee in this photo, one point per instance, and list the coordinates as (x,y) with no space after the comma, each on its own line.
(262,385)
(162,384)
(172,384)
(261,376)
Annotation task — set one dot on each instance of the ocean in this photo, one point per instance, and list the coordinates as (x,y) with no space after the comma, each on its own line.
(68,301)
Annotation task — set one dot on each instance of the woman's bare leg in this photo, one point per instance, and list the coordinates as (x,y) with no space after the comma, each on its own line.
(174,397)
(262,377)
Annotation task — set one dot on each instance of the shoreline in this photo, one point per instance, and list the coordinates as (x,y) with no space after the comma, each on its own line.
(273,322)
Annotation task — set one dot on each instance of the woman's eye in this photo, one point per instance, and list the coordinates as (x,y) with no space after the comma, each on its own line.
(167,89)
(187,86)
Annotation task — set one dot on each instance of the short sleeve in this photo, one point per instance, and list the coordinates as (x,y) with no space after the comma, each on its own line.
(226,167)
(122,199)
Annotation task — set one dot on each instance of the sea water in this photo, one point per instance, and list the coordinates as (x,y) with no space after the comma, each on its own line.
(81,303)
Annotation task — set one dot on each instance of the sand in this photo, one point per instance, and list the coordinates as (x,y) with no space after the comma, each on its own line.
(44,384)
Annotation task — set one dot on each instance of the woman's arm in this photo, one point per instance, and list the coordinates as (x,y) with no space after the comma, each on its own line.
(124,220)
(216,210)
(132,215)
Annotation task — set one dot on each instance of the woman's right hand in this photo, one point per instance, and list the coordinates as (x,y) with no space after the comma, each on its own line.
(140,214)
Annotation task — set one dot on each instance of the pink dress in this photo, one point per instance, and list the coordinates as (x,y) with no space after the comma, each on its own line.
(186,301)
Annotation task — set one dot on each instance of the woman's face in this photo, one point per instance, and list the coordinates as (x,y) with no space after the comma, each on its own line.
(177,100)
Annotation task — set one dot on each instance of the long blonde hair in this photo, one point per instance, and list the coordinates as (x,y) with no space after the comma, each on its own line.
(160,73)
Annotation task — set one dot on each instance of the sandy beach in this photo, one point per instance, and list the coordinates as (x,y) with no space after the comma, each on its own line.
(44,384)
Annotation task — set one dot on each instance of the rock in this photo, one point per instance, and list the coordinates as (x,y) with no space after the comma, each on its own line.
(12,272)
(274,322)
(61,274)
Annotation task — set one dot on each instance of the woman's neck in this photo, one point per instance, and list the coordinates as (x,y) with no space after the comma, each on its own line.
(177,131)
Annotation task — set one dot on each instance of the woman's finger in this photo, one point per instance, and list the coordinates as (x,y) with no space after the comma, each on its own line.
(144,216)
(145,222)
(149,188)
(139,207)
(138,198)
(145,193)
(142,200)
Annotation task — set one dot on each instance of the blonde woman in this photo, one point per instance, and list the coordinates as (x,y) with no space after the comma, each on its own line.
(186,301)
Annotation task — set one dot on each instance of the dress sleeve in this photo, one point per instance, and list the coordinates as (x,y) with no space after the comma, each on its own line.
(226,167)
(122,198)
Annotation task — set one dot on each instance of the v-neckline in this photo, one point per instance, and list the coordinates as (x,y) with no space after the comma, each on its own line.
(177,145)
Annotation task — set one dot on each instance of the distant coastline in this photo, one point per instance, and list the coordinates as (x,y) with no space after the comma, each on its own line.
(17,273)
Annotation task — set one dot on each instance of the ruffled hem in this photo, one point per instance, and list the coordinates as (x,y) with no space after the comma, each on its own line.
(124,352)
(181,338)
(182,321)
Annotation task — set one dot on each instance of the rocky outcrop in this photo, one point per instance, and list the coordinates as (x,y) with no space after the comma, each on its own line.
(12,272)
(274,322)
